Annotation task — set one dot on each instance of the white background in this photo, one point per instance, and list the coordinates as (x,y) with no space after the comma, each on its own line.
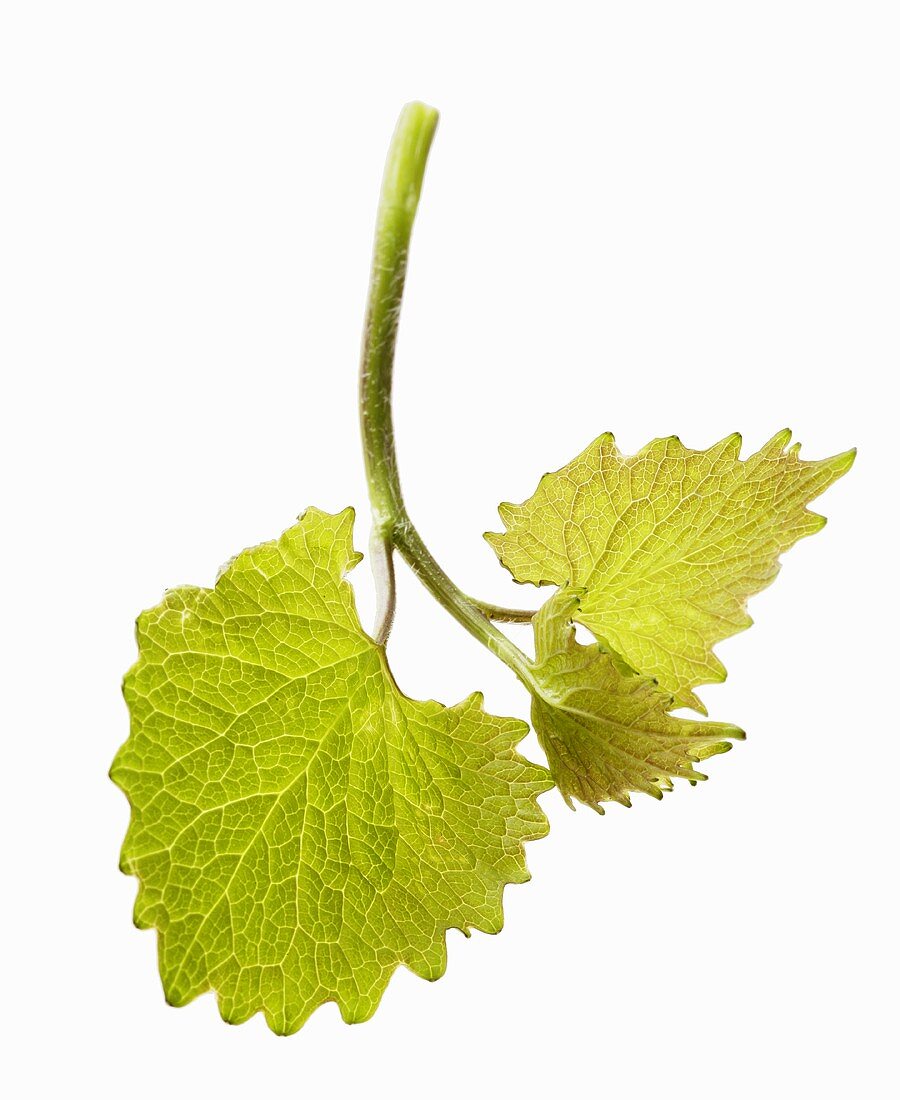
(650,218)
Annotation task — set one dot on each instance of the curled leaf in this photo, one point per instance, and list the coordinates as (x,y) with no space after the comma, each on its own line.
(605,728)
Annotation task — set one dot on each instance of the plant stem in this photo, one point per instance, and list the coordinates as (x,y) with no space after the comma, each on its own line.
(392,527)
(503,614)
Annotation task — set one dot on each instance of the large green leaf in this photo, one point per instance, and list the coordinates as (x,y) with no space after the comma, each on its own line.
(300,827)
(605,728)
(667,544)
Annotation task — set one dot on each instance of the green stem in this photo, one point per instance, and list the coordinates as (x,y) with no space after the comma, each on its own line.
(400,190)
(392,527)
(503,614)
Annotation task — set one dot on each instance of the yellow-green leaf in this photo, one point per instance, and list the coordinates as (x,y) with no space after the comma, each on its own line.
(300,827)
(667,544)
(605,728)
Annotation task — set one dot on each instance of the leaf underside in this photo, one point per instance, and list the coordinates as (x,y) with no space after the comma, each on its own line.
(299,827)
(666,545)
(605,728)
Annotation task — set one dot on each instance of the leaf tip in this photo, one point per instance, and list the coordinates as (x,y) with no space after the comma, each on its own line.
(475,701)
(778,442)
(841,463)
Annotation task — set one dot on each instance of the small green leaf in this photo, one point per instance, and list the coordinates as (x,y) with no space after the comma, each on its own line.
(667,544)
(300,828)
(605,728)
